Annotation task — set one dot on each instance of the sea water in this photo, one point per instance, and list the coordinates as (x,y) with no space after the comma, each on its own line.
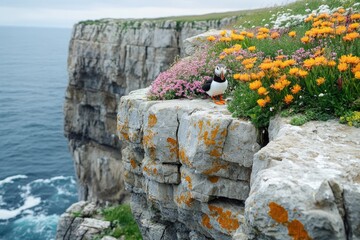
(37,181)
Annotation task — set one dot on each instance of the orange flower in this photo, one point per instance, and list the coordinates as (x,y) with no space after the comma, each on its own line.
(264,91)
(236,76)
(288,98)
(308,63)
(223,33)
(255,85)
(342,67)
(332,63)
(244,77)
(261,102)
(303,73)
(221,57)
(305,39)
(225,39)
(357,75)
(275,35)
(211,38)
(249,66)
(237,37)
(293,71)
(252,48)
(320,81)
(295,89)
(250,35)
(354,25)
(264,30)
(340,30)
(355,16)
(267,99)
(292,34)
(351,36)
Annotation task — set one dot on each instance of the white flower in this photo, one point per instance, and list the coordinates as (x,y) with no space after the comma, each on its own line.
(308,10)
(321,95)
(271,109)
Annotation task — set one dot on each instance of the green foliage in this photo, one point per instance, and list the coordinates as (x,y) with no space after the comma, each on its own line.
(77,214)
(352,118)
(299,120)
(123,222)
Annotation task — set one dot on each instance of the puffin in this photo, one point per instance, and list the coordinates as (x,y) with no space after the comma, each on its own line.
(217,86)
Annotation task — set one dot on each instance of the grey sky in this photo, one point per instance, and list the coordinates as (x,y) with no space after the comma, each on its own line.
(64,13)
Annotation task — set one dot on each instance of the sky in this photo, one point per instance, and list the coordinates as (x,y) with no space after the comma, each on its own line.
(65,13)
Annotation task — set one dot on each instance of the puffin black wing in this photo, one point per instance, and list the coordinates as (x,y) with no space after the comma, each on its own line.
(207,85)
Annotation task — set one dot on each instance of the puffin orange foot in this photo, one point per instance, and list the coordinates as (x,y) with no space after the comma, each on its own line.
(220,102)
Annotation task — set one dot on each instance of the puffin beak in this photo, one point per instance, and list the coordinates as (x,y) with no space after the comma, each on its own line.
(222,75)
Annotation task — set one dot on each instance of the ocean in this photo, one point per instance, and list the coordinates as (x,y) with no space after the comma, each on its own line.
(37,181)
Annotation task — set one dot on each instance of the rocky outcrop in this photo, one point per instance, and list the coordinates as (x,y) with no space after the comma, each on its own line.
(194,172)
(81,221)
(107,59)
(188,166)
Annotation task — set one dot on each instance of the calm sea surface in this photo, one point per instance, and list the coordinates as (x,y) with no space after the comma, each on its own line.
(37,180)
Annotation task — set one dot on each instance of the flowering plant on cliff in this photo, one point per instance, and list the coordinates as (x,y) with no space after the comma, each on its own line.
(184,79)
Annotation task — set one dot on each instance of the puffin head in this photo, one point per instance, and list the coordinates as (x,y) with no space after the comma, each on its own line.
(220,71)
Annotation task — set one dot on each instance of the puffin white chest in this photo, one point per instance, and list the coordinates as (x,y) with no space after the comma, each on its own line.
(217,88)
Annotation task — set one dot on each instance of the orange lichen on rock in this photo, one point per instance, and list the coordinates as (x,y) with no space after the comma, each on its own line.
(224,218)
(206,221)
(297,231)
(185,198)
(188,180)
(278,213)
(213,179)
(183,158)
(147,139)
(125,135)
(295,228)
(216,166)
(133,163)
(215,153)
(173,147)
(152,120)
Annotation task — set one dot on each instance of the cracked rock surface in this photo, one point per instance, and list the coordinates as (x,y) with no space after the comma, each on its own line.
(194,172)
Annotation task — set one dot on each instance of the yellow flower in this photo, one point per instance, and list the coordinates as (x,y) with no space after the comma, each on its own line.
(239,57)
(262,91)
(293,71)
(277,86)
(340,30)
(266,66)
(249,66)
(342,67)
(295,89)
(288,98)
(261,102)
(211,38)
(305,39)
(341,10)
(264,30)
(236,76)
(357,75)
(320,81)
(252,48)
(250,35)
(249,61)
(223,33)
(356,68)
(225,39)
(237,37)
(221,57)
(332,63)
(309,63)
(255,85)
(292,34)
(261,74)
(244,77)
(354,25)
(302,73)
(355,16)
(351,36)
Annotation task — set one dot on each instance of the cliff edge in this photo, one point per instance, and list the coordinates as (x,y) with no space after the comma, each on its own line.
(108,59)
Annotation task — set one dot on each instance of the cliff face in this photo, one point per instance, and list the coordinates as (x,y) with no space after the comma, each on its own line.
(108,59)
(194,172)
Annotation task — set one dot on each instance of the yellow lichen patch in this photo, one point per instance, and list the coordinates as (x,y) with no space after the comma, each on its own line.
(297,231)
(188,180)
(200,124)
(224,218)
(173,147)
(183,158)
(185,198)
(133,163)
(147,170)
(215,153)
(278,213)
(125,136)
(206,221)
(155,171)
(213,179)
(152,120)
(216,166)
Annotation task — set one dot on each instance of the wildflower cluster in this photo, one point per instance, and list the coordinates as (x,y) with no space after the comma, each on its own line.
(322,73)
(184,79)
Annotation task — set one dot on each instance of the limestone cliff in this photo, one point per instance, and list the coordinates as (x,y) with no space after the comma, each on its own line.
(108,59)
(194,172)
